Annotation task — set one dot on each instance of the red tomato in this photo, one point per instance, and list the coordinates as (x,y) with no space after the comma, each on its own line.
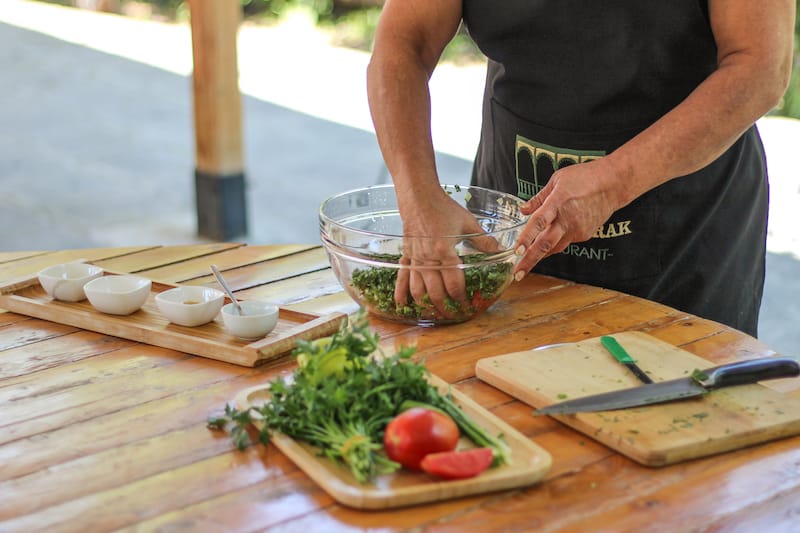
(479,302)
(417,432)
(458,464)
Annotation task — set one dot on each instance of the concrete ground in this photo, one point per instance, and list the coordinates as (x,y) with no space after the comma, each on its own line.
(96,139)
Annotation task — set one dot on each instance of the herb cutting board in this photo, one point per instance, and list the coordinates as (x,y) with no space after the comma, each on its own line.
(529,463)
(655,435)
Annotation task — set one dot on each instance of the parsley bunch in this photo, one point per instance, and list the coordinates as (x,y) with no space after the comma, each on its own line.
(341,397)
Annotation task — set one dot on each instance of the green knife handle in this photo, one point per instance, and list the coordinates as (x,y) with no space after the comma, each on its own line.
(745,372)
(617,350)
(622,356)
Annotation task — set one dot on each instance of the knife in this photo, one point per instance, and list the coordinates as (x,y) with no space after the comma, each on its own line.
(623,357)
(699,383)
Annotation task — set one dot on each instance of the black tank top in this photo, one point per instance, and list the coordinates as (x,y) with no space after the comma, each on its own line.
(571,80)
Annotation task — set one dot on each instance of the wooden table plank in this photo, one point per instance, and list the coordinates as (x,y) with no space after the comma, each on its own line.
(31,265)
(88,474)
(661,495)
(295,289)
(330,303)
(199,267)
(781,512)
(271,503)
(150,496)
(290,265)
(7,257)
(55,345)
(157,257)
(132,421)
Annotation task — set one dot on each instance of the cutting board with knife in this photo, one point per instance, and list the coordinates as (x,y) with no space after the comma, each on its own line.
(654,435)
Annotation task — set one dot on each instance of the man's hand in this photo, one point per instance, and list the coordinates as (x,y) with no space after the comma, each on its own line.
(429,249)
(575,202)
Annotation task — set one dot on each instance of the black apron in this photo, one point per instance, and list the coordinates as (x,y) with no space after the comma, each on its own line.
(571,80)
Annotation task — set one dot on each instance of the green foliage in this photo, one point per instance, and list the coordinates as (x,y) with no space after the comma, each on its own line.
(462,49)
(322,9)
(352,24)
(790,104)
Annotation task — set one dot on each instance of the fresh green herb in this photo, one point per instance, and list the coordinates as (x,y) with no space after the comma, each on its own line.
(483,285)
(561,396)
(341,397)
(682,423)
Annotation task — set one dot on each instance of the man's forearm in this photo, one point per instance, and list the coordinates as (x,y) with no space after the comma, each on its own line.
(750,80)
(400,105)
(408,43)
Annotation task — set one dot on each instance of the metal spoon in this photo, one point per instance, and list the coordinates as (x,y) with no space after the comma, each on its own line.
(227,289)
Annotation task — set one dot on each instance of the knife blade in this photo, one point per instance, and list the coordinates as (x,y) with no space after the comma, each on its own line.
(619,353)
(698,384)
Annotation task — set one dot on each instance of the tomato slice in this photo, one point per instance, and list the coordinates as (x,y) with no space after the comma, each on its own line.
(459,464)
(479,302)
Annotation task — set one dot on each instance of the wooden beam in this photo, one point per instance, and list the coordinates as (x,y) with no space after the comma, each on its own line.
(219,154)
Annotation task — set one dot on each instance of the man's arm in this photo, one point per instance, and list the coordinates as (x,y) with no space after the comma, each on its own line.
(409,40)
(754,41)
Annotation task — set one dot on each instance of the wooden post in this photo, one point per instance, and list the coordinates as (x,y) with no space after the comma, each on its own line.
(219,167)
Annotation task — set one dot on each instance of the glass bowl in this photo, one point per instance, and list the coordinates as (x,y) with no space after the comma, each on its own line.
(362,233)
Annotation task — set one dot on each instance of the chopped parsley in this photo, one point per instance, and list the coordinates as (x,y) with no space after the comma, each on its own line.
(483,284)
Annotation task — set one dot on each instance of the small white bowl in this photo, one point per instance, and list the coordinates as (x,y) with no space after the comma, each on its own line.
(256,321)
(191,305)
(65,281)
(118,295)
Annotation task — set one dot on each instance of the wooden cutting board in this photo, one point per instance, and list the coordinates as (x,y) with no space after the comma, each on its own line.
(529,463)
(655,435)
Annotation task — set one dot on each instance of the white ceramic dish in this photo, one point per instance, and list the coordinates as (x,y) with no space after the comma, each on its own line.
(257,319)
(65,281)
(191,305)
(118,295)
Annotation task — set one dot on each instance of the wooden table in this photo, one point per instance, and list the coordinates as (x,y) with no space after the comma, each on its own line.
(100,433)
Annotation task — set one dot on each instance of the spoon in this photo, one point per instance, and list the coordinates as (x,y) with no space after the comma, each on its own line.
(227,289)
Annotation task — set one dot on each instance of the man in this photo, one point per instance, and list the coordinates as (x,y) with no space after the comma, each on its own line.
(627,125)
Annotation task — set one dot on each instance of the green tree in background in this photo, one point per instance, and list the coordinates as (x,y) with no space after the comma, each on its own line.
(790,107)
(356,21)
